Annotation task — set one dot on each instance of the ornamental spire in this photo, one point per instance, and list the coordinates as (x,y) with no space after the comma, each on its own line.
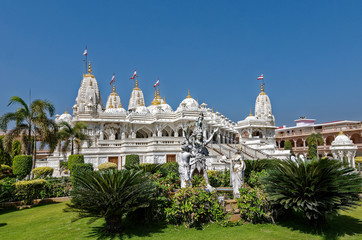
(250,113)
(188,96)
(89,68)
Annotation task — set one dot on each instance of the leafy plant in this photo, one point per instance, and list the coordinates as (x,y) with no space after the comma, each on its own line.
(255,178)
(169,168)
(55,187)
(22,165)
(131,160)
(43,172)
(110,194)
(313,188)
(74,159)
(29,189)
(146,167)
(80,169)
(193,207)
(253,205)
(7,190)
(288,146)
(313,141)
(5,157)
(219,178)
(5,171)
(73,136)
(107,165)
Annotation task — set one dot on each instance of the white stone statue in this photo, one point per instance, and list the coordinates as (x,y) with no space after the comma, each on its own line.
(184,165)
(198,152)
(237,169)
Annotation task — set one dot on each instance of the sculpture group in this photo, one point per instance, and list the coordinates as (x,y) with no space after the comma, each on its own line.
(193,159)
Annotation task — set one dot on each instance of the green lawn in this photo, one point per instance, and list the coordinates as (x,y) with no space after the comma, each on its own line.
(50,222)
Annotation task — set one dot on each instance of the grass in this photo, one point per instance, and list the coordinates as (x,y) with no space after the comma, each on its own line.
(50,222)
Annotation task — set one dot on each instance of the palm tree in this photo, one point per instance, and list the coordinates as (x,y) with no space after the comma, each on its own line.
(73,135)
(31,123)
(313,141)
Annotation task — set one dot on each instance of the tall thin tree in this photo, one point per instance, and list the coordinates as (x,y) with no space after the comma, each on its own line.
(73,136)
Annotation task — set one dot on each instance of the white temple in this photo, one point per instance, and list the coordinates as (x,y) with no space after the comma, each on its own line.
(155,132)
(344,150)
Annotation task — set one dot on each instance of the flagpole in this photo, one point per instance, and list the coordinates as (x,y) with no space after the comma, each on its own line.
(84,62)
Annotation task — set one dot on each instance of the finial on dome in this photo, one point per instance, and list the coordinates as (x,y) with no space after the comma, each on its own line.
(164,99)
(197,100)
(250,113)
(136,84)
(212,110)
(89,67)
(155,100)
(158,94)
(66,110)
(262,90)
(341,133)
(189,96)
(114,88)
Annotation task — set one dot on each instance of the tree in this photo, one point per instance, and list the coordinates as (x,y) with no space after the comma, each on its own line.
(32,122)
(313,141)
(110,194)
(313,188)
(73,135)
(5,157)
(288,146)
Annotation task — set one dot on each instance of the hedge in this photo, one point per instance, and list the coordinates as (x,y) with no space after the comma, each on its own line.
(22,165)
(43,172)
(132,160)
(107,165)
(29,190)
(74,159)
(80,168)
(5,171)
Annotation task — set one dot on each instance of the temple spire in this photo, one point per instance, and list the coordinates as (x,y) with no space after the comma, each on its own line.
(188,95)
(250,113)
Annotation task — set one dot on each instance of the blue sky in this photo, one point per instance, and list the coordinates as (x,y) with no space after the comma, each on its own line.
(309,51)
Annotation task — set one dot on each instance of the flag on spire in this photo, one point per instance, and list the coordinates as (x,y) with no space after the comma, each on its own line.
(134,75)
(260,78)
(112,81)
(158,82)
(85,51)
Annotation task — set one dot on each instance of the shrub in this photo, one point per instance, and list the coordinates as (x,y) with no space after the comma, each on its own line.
(22,165)
(193,207)
(253,205)
(15,148)
(131,160)
(7,190)
(255,178)
(5,171)
(107,165)
(110,194)
(219,178)
(29,190)
(5,157)
(79,169)
(313,188)
(146,167)
(170,168)
(43,172)
(56,187)
(74,159)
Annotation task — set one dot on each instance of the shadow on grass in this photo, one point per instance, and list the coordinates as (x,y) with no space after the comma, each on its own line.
(139,230)
(3,224)
(337,227)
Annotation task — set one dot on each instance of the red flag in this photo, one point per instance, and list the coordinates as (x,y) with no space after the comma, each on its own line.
(112,81)
(260,78)
(158,82)
(85,51)
(134,75)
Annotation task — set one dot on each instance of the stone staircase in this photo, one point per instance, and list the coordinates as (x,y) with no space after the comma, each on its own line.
(232,207)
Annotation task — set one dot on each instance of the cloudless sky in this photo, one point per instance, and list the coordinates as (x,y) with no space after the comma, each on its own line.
(309,51)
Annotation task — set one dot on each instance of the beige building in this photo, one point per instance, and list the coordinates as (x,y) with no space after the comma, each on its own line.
(298,134)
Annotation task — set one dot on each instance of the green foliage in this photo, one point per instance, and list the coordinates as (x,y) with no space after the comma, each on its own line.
(219,178)
(288,146)
(255,178)
(80,169)
(22,165)
(259,165)
(170,168)
(131,160)
(73,136)
(16,148)
(43,172)
(253,205)
(56,187)
(7,190)
(313,141)
(5,171)
(194,207)
(313,188)
(74,159)
(29,190)
(5,157)
(111,194)
(146,167)
(107,165)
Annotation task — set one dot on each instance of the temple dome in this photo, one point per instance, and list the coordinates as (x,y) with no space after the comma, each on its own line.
(141,109)
(136,100)
(114,104)
(65,117)
(188,104)
(158,104)
(342,139)
(263,109)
